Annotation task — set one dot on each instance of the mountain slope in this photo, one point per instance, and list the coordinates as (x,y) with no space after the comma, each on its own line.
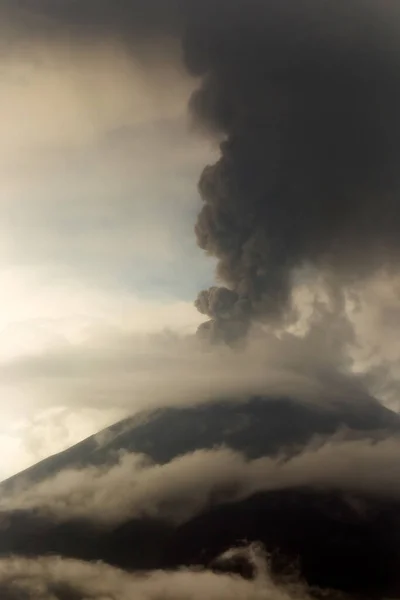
(346,541)
(257,426)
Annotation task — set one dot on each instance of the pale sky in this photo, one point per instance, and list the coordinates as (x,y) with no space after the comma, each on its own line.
(98,199)
(97,206)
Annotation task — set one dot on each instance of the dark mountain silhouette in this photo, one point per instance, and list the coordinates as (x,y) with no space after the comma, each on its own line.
(336,540)
(257,427)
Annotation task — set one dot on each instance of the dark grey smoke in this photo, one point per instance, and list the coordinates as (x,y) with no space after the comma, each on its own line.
(304,95)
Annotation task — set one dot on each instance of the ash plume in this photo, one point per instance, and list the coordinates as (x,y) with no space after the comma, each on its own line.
(303,97)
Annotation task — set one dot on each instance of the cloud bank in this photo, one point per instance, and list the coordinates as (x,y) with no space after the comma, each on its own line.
(115,368)
(58,578)
(134,488)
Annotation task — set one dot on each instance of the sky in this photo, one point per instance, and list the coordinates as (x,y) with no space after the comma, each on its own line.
(99,267)
(97,204)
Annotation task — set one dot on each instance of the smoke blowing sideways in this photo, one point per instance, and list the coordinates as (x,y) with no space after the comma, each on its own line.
(304,97)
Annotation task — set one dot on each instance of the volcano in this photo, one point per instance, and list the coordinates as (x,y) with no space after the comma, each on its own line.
(334,539)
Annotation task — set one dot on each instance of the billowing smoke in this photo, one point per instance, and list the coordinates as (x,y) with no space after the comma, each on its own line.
(303,97)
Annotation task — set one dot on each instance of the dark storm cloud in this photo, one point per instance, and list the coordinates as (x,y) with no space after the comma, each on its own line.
(304,96)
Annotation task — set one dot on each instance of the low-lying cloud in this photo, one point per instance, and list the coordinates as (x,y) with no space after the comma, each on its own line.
(189,484)
(62,579)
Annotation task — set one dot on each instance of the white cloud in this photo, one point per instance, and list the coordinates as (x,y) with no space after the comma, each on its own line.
(46,578)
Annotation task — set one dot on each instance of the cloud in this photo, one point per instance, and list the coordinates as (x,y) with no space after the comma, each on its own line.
(98,356)
(61,96)
(115,367)
(189,484)
(46,312)
(55,577)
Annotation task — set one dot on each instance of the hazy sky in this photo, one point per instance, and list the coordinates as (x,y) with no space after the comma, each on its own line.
(97,204)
